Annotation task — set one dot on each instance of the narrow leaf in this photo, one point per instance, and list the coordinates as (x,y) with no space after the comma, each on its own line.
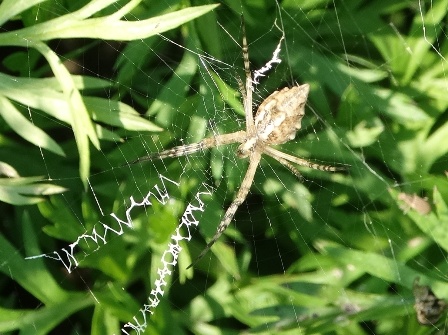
(80,120)
(106,28)
(10,8)
(26,129)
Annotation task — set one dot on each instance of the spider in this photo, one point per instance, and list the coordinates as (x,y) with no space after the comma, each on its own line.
(276,121)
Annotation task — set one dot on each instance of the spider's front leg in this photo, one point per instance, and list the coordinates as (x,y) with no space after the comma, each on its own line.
(184,150)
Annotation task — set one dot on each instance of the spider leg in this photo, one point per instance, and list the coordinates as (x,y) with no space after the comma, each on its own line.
(239,199)
(247,97)
(287,165)
(188,149)
(241,88)
(300,161)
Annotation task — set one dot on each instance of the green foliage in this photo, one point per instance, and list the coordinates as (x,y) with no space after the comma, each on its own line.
(73,110)
(329,254)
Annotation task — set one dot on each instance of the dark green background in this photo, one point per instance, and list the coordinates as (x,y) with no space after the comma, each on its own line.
(329,254)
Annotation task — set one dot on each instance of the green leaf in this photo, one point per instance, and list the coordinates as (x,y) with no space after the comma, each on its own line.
(80,120)
(118,114)
(377,265)
(10,8)
(77,25)
(26,190)
(433,224)
(26,129)
(31,275)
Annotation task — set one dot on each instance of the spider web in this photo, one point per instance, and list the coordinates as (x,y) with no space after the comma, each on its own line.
(332,252)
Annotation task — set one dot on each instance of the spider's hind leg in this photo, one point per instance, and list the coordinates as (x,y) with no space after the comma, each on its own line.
(279,155)
(290,167)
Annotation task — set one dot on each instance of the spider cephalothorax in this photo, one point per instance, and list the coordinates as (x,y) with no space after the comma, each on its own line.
(276,121)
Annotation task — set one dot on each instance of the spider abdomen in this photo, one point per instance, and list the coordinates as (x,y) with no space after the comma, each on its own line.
(279,116)
(277,120)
